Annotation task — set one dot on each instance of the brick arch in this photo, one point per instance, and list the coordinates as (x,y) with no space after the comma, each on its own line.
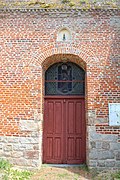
(63,58)
(84,54)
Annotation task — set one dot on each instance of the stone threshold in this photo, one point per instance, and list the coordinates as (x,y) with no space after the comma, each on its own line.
(63,165)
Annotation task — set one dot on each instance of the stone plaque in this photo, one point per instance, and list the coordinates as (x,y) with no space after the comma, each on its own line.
(114,114)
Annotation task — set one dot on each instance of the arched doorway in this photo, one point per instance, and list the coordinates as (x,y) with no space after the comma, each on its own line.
(64,137)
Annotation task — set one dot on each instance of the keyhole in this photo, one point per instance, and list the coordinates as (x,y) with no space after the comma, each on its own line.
(64,38)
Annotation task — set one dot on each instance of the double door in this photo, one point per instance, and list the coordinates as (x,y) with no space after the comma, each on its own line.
(64,137)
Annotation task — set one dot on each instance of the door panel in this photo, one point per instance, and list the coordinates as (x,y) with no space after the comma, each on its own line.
(78,116)
(58,117)
(53,136)
(75,122)
(50,114)
(64,131)
(78,152)
(57,148)
(49,148)
(70,117)
(71,148)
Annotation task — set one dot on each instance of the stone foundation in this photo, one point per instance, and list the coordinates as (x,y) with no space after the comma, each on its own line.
(21,151)
(104,150)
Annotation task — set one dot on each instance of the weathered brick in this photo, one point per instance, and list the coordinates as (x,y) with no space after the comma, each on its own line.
(28,46)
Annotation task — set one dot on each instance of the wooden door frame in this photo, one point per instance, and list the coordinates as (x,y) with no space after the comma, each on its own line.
(66,97)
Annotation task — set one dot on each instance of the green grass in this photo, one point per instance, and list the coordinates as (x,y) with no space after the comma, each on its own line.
(13,174)
(117,175)
(17,175)
(9,173)
(106,175)
(4,164)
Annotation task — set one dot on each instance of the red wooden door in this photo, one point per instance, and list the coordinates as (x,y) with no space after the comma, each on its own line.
(64,130)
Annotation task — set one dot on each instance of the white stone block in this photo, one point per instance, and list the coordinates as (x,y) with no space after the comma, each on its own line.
(28,125)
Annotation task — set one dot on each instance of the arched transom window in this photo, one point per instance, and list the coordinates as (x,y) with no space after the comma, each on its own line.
(65,79)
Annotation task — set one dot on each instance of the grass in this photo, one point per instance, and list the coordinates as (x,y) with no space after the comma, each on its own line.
(74,173)
(108,175)
(46,172)
(5,165)
(61,173)
(8,173)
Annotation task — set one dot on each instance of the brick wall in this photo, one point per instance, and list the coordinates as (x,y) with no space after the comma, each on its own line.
(28,46)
